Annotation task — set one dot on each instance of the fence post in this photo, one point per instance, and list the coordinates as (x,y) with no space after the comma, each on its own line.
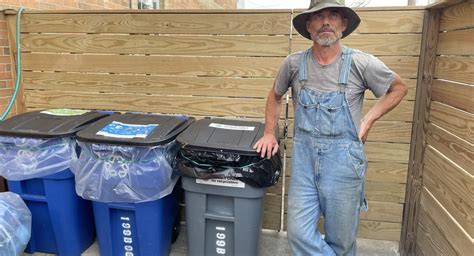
(426,68)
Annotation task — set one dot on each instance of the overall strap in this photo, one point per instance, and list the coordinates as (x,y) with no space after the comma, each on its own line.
(303,67)
(346,65)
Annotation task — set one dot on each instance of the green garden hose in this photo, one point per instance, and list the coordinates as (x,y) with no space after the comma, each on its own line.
(18,65)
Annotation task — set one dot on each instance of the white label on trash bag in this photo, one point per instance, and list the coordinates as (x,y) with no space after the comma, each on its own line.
(232,127)
(128,131)
(224,182)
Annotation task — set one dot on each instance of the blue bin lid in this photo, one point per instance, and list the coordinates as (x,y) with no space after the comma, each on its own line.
(223,135)
(135,129)
(49,123)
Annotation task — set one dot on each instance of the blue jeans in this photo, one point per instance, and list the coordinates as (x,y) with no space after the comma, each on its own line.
(327,180)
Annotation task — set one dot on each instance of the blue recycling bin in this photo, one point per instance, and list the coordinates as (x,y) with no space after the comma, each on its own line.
(146,228)
(125,168)
(35,153)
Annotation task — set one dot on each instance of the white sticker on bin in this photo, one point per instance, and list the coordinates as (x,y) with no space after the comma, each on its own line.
(128,131)
(64,112)
(232,127)
(224,182)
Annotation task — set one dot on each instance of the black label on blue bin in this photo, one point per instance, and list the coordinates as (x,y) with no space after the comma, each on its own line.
(128,131)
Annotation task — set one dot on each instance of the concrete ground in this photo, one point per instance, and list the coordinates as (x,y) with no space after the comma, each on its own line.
(274,243)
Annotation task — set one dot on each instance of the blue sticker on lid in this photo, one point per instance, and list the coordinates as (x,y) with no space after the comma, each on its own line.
(127,131)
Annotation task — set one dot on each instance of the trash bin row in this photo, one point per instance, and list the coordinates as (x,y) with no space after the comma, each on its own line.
(128,166)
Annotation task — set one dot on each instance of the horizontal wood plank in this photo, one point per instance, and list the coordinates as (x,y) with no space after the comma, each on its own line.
(457,95)
(455,121)
(457,42)
(429,239)
(380,44)
(452,186)
(390,131)
(458,69)
(378,230)
(387,21)
(402,112)
(271,220)
(405,66)
(390,173)
(383,211)
(450,229)
(272,203)
(457,17)
(162,65)
(136,84)
(387,152)
(390,21)
(159,23)
(191,45)
(385,192)
(183,105)
(458,150)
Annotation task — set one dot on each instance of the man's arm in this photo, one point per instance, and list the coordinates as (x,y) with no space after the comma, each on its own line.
(268,144)
(387,102)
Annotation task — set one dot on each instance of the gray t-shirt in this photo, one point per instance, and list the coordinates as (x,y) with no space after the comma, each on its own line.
(367,72)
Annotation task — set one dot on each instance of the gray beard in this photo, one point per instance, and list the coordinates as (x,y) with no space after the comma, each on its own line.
(326,41)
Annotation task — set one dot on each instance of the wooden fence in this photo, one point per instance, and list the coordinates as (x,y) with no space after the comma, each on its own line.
(219,64)
(440,206)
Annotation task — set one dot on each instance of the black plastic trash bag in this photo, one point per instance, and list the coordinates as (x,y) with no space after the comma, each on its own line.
(253,170)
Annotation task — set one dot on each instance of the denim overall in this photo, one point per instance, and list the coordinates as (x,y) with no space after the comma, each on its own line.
(328,169)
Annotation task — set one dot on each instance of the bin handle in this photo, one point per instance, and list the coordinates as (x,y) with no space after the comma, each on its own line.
(213,216)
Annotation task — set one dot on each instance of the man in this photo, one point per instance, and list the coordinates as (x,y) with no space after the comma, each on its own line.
(328,160)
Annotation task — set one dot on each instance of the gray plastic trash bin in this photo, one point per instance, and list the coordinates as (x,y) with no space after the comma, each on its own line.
(224,201)
(222,220)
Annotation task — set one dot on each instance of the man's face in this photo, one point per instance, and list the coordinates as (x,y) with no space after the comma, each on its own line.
(326,26)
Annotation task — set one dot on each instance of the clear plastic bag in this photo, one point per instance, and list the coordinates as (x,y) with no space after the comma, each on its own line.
(15,224)
(120,173)
(24,158)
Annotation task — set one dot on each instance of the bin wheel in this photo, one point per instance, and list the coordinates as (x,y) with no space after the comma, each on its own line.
(176,228)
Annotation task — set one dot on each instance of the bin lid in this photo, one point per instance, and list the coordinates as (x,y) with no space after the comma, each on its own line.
(223,135)
(135,129)
(49,123)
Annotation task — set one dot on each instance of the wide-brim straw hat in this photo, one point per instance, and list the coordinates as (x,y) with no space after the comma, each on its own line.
(299,22)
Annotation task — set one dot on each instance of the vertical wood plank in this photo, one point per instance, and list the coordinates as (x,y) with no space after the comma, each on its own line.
(426,69)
